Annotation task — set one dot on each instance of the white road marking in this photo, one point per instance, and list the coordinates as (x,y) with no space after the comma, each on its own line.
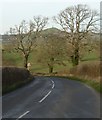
(23,115)
(53,85)
(45,97)
(52,81)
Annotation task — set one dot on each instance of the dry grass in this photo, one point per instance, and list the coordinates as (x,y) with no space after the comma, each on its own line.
(89,73)
(87,70)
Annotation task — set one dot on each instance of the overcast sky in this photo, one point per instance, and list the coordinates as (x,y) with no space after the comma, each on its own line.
(14,11)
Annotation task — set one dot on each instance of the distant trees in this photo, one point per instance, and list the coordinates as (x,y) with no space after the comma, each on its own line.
(77,21)
(25,35)
(51,51)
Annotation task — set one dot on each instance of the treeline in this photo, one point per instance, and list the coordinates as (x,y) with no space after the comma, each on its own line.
(77,22)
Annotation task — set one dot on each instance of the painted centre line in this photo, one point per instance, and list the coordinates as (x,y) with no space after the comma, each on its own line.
(52,81)
(53,85)
(45,97)
(23,115)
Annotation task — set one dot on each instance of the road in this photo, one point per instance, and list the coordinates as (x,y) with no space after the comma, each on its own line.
(52,97)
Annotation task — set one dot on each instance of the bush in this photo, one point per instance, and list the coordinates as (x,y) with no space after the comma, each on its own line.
(87,70)
(13,78)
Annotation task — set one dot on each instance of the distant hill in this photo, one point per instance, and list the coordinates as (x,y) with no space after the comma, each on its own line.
(51,30)
(6,38)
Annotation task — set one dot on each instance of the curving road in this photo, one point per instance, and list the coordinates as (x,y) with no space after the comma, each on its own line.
(52,97)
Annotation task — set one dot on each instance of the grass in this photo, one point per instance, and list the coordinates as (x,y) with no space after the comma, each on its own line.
(90,56)
(87,70)
(16,59)
(12,59)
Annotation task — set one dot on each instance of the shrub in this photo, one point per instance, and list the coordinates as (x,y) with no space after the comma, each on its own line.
(87,70)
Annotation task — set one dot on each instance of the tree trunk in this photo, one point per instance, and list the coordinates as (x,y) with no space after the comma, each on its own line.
(51,65)
(26,61)
(50,69)
(75,57)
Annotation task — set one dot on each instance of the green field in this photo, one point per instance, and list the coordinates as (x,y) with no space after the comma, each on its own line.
(16,59)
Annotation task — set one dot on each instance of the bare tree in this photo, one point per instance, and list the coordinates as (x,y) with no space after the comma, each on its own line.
(77,21)
(51,51)
(25,35)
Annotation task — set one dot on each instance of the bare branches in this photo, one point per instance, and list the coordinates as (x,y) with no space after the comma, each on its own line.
(39,23)
(24,33)
(77,21)
(77,18)
(92,20)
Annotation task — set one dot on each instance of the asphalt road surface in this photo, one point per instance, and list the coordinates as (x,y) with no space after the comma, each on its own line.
(51,97)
